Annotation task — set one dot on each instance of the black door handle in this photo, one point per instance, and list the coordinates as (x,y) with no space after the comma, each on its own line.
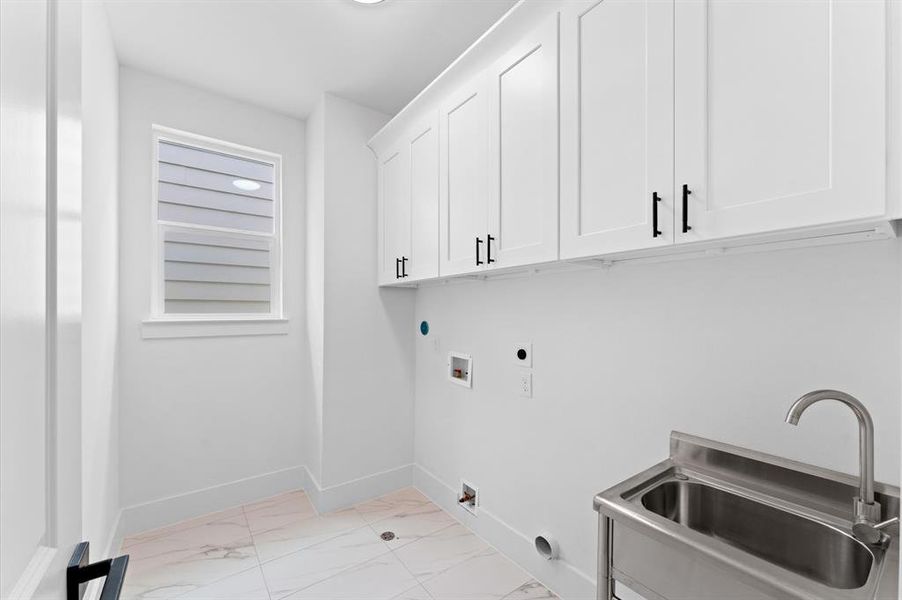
(686,192)
(478,242)
(655,232)
(79,571)
(397,268)
(488,250)
(403,266)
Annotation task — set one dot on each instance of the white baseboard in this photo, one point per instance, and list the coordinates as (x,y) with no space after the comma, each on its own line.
(114,539)
(165,511)
(34,573)
(172,509)
(343,495)
(563,578)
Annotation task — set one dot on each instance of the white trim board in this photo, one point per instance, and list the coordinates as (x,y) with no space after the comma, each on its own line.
(188,328)
(343,495)
(172,509)
(563,578)
(27,584)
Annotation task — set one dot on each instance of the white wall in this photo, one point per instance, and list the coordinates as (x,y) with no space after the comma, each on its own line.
(369,350)
(315,285)
(23,318)
(366,409)
(100,278)
(205,412)
(717,347)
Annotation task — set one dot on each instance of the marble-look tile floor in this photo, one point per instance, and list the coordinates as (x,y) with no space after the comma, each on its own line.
(281,548)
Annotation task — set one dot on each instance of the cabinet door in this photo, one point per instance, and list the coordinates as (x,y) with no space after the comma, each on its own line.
(395,202)
(463,192)
(422,150)
(616,126)
(523,147)
(779,114)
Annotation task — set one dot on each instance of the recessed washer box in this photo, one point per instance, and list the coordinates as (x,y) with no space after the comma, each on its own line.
(469,497)
(460,369)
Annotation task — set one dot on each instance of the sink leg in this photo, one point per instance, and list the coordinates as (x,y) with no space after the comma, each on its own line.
(605,585)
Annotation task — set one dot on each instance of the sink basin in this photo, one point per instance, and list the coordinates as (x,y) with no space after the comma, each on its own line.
(719,522)
(800,545)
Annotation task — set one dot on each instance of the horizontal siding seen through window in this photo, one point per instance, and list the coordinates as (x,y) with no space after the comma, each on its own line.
(206,271)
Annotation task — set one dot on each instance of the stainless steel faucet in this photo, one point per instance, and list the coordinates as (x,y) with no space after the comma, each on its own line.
(866,526)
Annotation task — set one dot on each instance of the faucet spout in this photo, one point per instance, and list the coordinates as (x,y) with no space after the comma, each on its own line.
(865,434)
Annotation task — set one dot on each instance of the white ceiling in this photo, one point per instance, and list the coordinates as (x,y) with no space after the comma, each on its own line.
(282,54)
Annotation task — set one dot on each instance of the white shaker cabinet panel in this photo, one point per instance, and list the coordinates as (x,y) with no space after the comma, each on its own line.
(422,150)
(616,126)
(780,114)
(523,151)
(408,196)
(462,174)
(395,214)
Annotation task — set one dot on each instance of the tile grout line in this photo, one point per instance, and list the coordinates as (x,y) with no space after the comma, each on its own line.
(323,541)
(161,531)
(257,553)
(406,568)
(158,533)
(249,535)
(388,550)
(485,541)
(342,571)
(468,557)
(215,581)
(332,576)
(472,555)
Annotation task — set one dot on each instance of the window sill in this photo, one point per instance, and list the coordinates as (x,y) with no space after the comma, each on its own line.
(193,328)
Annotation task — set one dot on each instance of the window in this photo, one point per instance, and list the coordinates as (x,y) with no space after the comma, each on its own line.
(217,230)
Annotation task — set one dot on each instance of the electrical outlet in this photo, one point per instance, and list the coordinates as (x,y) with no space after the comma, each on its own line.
(524,387)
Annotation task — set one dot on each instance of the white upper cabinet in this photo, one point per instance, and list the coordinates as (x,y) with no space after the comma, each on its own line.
(523,157)
(462,173)
(408,193)
(422,149)
(616,126)
(590,128)
(779,114)
(395,203)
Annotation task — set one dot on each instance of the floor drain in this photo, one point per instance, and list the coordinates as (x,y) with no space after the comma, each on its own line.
(387,536)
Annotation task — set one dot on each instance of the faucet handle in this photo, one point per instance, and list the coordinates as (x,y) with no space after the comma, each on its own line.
(871,532)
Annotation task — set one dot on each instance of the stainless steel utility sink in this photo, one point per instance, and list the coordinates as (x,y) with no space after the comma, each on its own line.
(719,522)
(801,545)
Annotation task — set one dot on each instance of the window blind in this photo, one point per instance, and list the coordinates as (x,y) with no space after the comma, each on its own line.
(206,271)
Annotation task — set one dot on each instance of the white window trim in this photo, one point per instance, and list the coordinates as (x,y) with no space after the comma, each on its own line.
(159,324)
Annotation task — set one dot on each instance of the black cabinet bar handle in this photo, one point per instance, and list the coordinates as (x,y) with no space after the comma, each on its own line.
(478,242)
(404,266)
(655,232)
(488,250)
(686,192)
(397,268)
